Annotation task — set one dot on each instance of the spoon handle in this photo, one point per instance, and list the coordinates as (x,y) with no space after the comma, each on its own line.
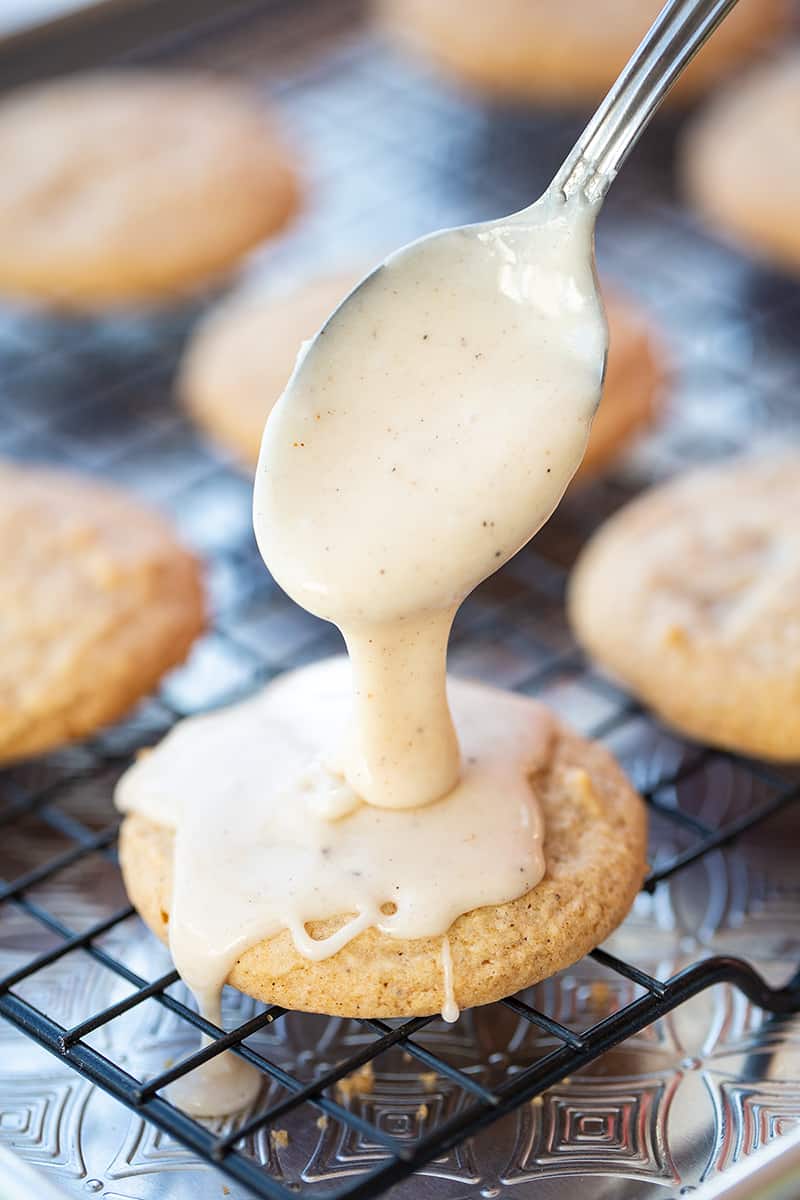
(677,33)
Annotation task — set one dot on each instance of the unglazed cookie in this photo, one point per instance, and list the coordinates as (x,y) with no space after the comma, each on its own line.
(97,601)
(241,356)
(594,848)
(562,51)
(741,160)
(689,595)
(129,186)
(632,388)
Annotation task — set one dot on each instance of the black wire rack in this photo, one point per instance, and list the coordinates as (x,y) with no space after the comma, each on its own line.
(97,395)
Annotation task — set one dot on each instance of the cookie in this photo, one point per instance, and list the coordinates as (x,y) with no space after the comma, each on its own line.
(97,601)
(562,53)
(740,161)
(595,854)
(689,596)
(241,356)
(131,186)
(632,390)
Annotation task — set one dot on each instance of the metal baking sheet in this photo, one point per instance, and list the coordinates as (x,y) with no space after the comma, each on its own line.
(389,152)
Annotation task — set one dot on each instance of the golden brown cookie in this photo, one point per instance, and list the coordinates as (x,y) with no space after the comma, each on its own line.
(97,601)
(632,389)
(741,161)
(689,595)
(562,51)
(134,185)
(595,834)
(242,353)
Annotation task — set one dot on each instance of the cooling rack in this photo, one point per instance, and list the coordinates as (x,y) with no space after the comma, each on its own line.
(653,1064)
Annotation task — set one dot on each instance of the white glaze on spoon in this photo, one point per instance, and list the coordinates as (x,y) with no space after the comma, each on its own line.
(425,436)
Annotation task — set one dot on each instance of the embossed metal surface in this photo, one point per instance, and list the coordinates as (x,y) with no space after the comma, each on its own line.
(389,153)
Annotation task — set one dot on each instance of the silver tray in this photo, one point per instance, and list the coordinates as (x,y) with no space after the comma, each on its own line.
(390,152)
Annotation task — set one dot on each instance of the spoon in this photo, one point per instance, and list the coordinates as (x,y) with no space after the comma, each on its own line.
(433,424)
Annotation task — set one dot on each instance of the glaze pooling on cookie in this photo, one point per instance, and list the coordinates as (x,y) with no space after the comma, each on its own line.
(254,855)
(257,851)
(594,846)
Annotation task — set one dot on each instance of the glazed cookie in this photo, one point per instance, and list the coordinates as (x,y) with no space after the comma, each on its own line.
(97,601)
(741,161)
(242,355)
(689,596)
(130,186)
(548,51)
(594,847)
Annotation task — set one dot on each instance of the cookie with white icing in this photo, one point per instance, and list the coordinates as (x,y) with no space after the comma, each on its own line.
(594,854)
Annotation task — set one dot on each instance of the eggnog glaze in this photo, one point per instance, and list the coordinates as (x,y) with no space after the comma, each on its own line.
(424,437)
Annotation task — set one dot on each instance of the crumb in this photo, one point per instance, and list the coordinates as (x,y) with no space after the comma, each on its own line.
(422,1112)
(226,1191)
(567,1080)
(168,1062)
(600,993)
(407,1058)
(428,1080)
(357,1083)
(322,1121)
(143,752)
(279,1138)
(676,637)
(579,786)
(537,1101)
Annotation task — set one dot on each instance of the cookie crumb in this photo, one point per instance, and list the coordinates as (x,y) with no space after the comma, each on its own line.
(357,1083)
(407,1058)
(537,1102)
(322,1121)
(428,1080)
(279,1138)
(422,1112)
(676,636)
(226,1191)
(579,786)
(599,993)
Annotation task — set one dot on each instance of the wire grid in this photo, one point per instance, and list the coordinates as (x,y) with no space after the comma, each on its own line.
(97,395)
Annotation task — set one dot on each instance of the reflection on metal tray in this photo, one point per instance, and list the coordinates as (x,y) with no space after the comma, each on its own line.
(600,1081)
